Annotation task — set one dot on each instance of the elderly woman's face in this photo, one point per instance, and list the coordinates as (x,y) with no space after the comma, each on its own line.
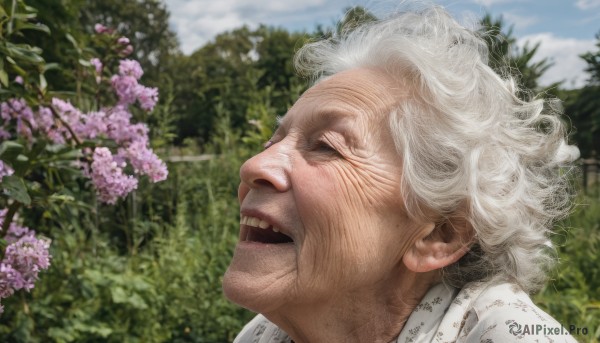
(330,184)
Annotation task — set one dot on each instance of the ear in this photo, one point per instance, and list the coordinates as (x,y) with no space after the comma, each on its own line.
(439,245)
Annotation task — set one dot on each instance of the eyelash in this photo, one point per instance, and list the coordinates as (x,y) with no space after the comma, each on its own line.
(324,146)
(318,145)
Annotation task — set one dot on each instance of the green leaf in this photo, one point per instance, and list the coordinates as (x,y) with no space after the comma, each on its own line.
(73,41)
(4,77)
(14,188)
(119,296)
(30,9)
(137,302)
(37,27)
(10,150)
(85,63)
(25,16)
(43,83)
(25,52)
(51,66)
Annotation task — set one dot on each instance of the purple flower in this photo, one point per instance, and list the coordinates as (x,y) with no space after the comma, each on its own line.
(94,125)
(45,119)
(99,28)
(19,110)
(147,97)
(98,68)
(130,68)
(97,65)
(47,125)
(123,41)
(118,125)
(127,51)
(126,88)
(25,256)
(7,275)
(4,134)
(108,177)
(19,79)
(145,161)
(70,115)
(5,169)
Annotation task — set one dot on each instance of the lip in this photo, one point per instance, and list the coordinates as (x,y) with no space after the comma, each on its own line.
(263,216)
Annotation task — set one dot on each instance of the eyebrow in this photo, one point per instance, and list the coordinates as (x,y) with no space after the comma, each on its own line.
(323,118)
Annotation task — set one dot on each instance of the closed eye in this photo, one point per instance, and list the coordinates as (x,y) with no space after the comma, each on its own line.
(324,147)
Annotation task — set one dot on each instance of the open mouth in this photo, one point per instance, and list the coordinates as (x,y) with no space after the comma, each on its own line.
(262,232)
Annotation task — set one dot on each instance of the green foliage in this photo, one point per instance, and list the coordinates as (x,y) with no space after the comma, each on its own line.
(593,61)
(584,108)
(20,58)
(573,294)
(159,282)
(506,58)
(58,47)
(145,22)
(232,71)
(353,18)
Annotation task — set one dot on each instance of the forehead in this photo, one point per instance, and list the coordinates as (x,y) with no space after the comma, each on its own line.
(364,94)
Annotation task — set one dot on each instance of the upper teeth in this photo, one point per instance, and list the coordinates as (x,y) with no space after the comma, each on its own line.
(252,221)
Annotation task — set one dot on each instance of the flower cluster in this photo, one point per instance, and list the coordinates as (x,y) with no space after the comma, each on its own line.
(129,90)
(25,256)
(62,122)
(114,150)
(108,177)
(17,109)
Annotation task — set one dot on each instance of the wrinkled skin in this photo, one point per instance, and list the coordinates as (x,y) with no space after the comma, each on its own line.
(331,179)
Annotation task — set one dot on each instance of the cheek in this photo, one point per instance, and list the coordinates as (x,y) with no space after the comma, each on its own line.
(343,238)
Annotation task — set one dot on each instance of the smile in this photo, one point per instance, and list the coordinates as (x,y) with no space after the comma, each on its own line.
(261,231)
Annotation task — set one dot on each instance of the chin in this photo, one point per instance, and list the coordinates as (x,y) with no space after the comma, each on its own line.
(250,292)
(235,288)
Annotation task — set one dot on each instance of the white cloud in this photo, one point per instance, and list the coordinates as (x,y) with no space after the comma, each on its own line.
(489,3)
(519,21)
(587,4)
(564,52)
(198,21)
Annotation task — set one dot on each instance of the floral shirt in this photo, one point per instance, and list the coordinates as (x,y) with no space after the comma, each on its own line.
(478,313)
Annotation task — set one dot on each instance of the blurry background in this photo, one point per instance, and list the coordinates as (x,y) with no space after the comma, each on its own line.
(149,269)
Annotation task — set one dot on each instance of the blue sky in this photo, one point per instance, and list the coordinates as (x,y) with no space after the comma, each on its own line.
(564,28)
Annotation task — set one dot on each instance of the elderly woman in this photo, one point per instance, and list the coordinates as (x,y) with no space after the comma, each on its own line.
(408,196)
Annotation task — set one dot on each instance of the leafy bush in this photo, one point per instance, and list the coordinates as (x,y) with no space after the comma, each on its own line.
(149,271)
(573,294)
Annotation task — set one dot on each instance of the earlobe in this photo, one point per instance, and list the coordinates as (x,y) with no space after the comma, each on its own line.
(438,247)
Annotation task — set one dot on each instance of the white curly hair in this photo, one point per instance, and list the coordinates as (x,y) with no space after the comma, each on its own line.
(470,147)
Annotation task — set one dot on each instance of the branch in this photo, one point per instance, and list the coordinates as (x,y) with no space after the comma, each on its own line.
(12,210)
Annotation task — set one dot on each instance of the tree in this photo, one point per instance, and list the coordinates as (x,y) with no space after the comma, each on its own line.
(145,22)
(228,75)
(60,48)
(584,109)
(506,58)
(353,18)
(593,61)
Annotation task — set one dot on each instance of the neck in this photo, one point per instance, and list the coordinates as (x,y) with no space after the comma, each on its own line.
(366,314)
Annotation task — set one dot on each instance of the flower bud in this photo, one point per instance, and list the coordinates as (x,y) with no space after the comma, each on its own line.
(123,41)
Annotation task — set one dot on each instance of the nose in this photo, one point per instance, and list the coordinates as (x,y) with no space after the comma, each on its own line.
(267,169)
